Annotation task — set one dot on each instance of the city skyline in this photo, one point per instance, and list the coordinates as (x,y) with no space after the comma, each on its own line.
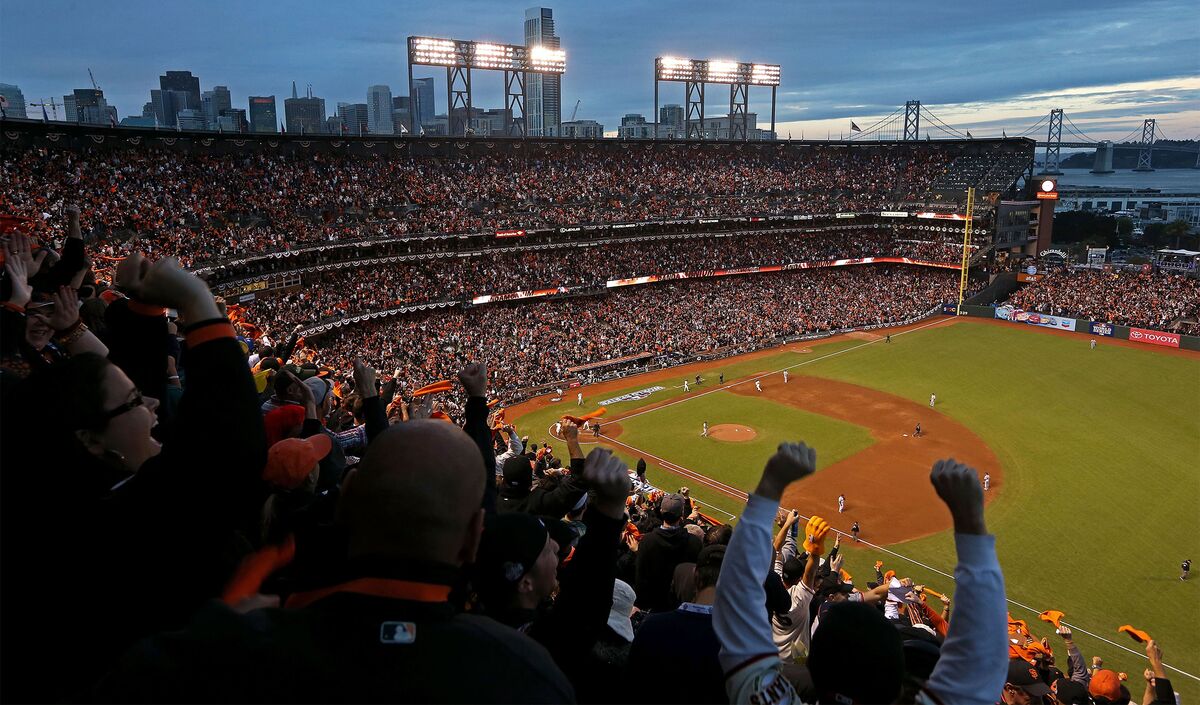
(1106,66)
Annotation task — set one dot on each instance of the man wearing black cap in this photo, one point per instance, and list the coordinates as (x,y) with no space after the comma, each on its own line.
(518,494)
(1023,686)
(658,554)
(518,569)
(683,641)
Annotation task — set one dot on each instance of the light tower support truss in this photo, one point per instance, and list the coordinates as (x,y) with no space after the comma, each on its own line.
(1053,142)
(738,113)
(694,91)
(514,103)
(458,97)
(912,121)
(1145,154)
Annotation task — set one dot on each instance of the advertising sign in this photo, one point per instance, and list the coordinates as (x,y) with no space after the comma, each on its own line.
(1033,318)
(1154,337)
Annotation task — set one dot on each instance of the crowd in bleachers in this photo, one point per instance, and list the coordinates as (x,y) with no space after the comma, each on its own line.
(337,292)
(1128,298)
(541,340)
(203,207)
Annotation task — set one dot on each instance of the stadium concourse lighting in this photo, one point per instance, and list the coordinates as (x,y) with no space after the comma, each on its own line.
(460,56)
(695,73)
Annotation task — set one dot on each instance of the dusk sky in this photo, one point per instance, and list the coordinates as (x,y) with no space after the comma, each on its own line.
(978,66)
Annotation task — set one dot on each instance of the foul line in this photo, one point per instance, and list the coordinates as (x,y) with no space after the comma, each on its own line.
(735,493)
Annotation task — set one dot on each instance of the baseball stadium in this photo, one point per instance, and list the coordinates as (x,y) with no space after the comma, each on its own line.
(249,380)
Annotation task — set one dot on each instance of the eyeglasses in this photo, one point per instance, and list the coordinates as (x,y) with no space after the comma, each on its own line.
(136,401)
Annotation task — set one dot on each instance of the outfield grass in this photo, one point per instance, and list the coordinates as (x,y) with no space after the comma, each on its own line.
(1100,450)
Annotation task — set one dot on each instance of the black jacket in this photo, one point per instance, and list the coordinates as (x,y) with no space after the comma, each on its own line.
(103,564)
(382,641)
(657,555)
(554,503)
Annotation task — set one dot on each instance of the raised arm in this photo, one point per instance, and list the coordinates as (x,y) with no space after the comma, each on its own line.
(748,656)
(974,659)
(474,380)
(374,415)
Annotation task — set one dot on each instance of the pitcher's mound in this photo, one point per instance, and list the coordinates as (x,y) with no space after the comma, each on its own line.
(732,432)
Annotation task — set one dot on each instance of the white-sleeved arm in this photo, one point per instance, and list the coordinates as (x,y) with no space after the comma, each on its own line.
(748,656)
(974,661)
(515,446)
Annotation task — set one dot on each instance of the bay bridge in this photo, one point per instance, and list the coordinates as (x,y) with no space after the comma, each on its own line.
(906,123)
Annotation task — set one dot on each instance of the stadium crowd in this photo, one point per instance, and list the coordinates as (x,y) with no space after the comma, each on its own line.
(1128,298)
(541,341)
(184,529)
(336,292)
(167,203)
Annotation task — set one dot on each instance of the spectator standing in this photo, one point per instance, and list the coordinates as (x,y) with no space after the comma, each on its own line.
(659,552)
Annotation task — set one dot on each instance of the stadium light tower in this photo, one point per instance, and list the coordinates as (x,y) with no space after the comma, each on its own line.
(695,73)
(460,57)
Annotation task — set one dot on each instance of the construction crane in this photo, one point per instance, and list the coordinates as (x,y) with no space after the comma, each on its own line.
(575,111)
(51,104)
(93,79)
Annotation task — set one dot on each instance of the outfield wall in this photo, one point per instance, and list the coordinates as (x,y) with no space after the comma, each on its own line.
(1153,338)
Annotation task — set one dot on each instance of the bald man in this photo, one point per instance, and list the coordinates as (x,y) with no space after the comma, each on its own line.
(384,629)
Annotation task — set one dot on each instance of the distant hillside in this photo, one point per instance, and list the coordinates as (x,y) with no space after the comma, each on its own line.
(1127,158)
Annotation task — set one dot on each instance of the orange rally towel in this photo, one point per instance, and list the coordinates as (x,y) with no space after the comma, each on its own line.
(578,420)
(1137,635)
(442,386)
(493,403)
(255,568)
(1052,616)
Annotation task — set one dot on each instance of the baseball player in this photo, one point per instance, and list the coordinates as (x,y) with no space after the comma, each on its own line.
(917,430)
(841,503)
(698,380)
(579,399)
(686,388)
(721,377)
(558,393)
(932,400)
(596,430)
(1093,343)
(1187,568)
(785,376)
(758,385)
(888,338)
(558,428)
(854,530)
(987,481)
(704,430)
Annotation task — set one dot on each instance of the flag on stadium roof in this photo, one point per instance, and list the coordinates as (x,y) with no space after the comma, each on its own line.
(854,128)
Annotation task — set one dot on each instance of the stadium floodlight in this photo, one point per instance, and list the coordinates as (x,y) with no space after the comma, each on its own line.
(738,75)
(460,56)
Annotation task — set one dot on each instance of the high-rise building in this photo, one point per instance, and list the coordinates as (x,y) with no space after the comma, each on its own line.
(400,116)
(635,127)
(671,116)
(304,115)
(582,129)
(232,120)
(355,117)
(189,119)
(177,90)
(543,95)
(262,114)
(379,110)
(425,107)
(86,106)
(213,102)
(14,100)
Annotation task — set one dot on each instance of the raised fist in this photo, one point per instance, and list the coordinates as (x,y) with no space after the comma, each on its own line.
(958,486)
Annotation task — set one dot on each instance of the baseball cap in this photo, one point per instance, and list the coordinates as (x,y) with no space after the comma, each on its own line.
(518,472)
(793,569)
(672,506)
(281,420)
(508,549)
(1105,684)
(1023,675)
(1069,692)
(622,607)
(291,460)
(320,388)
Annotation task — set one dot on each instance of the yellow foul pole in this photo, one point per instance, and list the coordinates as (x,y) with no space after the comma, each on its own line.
(966,253)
